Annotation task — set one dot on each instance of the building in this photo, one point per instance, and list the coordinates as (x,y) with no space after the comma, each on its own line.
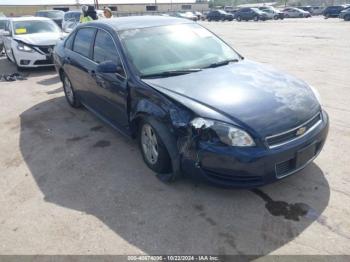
(18,8)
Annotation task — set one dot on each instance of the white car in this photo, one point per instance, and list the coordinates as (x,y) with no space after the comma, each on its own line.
(3,21)
(29,41)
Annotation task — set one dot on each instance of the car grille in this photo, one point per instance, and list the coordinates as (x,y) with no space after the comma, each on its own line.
(233,178)
(46,49)
(44,62)
(285,137)
(292,165)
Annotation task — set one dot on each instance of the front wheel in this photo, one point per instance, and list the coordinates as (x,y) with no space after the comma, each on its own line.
(69,93)
(19,68)
(153,150)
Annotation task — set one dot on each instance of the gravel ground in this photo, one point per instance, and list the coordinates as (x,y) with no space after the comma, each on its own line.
(71,185)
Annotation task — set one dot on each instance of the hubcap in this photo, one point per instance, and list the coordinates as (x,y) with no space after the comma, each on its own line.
(149,144)
(69,90)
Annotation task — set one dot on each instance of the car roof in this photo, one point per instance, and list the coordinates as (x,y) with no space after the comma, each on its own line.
(30,18)
(135,22)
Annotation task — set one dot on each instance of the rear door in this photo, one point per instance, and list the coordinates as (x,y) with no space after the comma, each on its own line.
(78,63)
(110,88)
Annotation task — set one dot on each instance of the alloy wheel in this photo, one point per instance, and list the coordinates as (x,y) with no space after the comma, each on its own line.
(68,90)
(149,144)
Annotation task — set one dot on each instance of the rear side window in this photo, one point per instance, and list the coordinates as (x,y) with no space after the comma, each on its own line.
(105,49)
(83,39)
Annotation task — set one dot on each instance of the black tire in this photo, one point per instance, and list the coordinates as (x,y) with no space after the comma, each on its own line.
(161,164)
(7,56)
(256,18)
(347,18)
(326,16)
(275,17)
(19,68)
(69,93)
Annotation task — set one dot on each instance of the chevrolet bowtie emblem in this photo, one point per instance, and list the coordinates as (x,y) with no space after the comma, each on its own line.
(301,131)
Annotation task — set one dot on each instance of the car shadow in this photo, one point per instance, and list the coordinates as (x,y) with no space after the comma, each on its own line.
(81,164)
(7,67)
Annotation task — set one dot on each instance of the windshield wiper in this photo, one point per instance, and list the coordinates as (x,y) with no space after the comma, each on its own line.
(221,63)
(172,73)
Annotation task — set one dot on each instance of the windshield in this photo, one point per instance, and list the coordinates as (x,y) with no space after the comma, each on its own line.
(35,26)
(72,16)
(176,47)
(52,14)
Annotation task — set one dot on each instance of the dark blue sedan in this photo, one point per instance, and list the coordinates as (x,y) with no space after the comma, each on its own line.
(195,105)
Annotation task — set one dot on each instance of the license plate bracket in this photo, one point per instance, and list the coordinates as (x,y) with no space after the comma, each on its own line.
(305,154)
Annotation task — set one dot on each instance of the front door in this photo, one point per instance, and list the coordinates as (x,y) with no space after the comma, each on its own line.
(110,88)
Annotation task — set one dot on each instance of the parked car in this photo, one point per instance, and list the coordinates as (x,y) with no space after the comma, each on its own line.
(333,11)
(292,12)
(306,8)
(187,15)
(199,15)
(272,13)
(345,14)
(219,15)
(248,13)
(317,10)
(55,15)
(3,21)
(29,41)
(195,106)
(70,20)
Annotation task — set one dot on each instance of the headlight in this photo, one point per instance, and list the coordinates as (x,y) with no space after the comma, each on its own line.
(24,48)
(316,93)
(228,134)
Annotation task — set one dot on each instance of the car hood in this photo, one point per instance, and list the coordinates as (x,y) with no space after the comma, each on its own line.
(257,97)
(39,38)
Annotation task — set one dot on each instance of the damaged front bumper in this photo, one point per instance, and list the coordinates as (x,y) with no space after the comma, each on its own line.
(249,167)
(39,56)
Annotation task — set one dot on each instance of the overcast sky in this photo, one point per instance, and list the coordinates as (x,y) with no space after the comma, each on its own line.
(65,2)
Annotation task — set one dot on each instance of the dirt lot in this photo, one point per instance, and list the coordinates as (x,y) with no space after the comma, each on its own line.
(71,185)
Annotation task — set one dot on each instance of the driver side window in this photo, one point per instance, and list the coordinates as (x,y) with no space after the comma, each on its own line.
(105,49)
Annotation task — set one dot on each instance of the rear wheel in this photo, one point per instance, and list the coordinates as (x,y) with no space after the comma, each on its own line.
(72,100)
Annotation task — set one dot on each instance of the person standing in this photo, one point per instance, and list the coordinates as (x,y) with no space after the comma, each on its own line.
(107,12)
(89,14)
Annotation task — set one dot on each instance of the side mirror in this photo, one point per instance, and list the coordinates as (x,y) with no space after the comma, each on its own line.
(109,67)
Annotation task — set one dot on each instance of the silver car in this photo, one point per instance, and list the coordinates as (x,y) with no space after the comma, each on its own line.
(70,20)
(292,12)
